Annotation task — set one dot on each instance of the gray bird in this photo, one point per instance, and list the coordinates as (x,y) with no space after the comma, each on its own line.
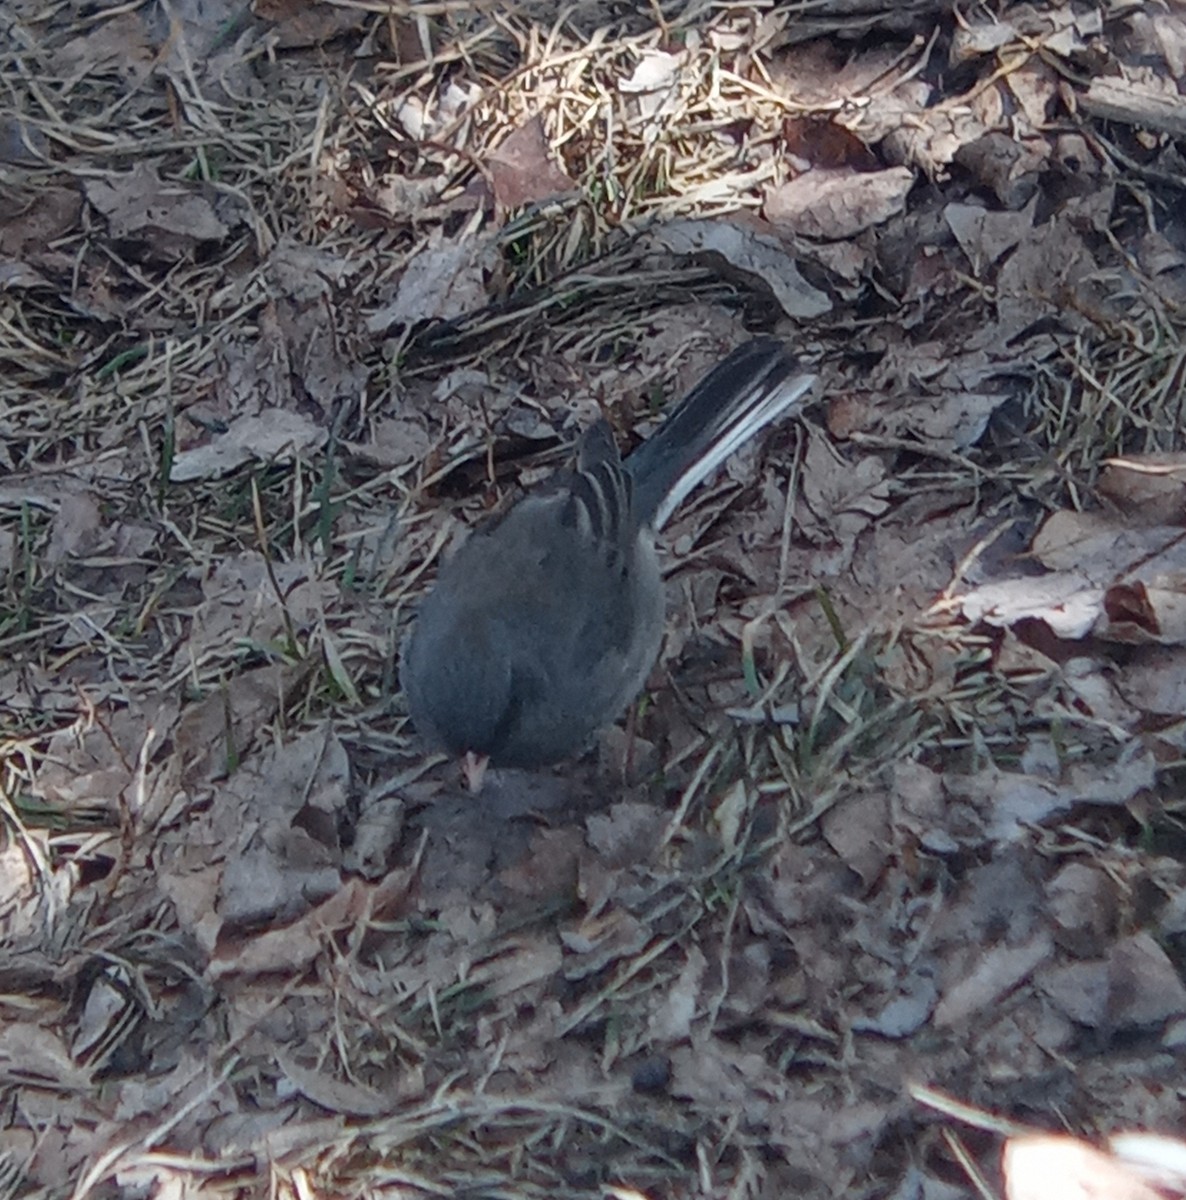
(545,623)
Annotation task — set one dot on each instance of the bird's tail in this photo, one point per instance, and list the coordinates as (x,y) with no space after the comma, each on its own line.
(758,383)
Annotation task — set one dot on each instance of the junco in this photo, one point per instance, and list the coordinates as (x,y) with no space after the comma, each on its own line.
(546,622)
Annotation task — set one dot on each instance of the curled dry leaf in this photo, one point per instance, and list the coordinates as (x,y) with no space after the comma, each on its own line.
(30,223)
(290,948)
(1083,903)
(212,733)
(671,1019)
(336,1095)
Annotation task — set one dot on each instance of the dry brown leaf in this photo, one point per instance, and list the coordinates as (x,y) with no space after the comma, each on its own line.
(211,734)
(1050,264)
(1154,681)
(1083,903)
(37,1057)
(286,856)
(598,940)
(997,972)
(28,228)
(394,442)
(837,204)
(1124,583)
(517,965)
(918,133)
(549,869)
(1151,487)
(1134,987)
(302,24)
(1010,802)
(290,948)
(1059,30)
(671,1020)
(300,345)
(823,143)
(1140,613)
(14,275)
(168,219)
(1097,545)
(338,1095)
(859,831)
(984,235)
(446,278)
(842,497)
(244,601)
(275,435)
(627,834)
(523,169)
(121,44)
(376,837)
(75,528)
(716,1076)
(809,72)
(1035,88)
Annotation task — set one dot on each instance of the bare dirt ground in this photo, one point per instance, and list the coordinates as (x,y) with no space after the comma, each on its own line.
(887,865)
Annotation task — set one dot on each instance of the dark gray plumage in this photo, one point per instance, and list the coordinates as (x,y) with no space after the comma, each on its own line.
(546,622)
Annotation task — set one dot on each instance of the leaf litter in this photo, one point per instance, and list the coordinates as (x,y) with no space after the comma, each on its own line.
(284,293)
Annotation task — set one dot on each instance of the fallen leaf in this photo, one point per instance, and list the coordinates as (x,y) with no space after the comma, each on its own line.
(1134,987)
(985,235)
(1083,903)
(999,970)
(274,435)
(755,257)
(671,1020)
(523,170)
(290,948)
(27,228)
(337,1095)
(819,142)
(37,1057)
(168,219)
(837,204)
(445,279)
(1151,487)
(120,44)
(211,734)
